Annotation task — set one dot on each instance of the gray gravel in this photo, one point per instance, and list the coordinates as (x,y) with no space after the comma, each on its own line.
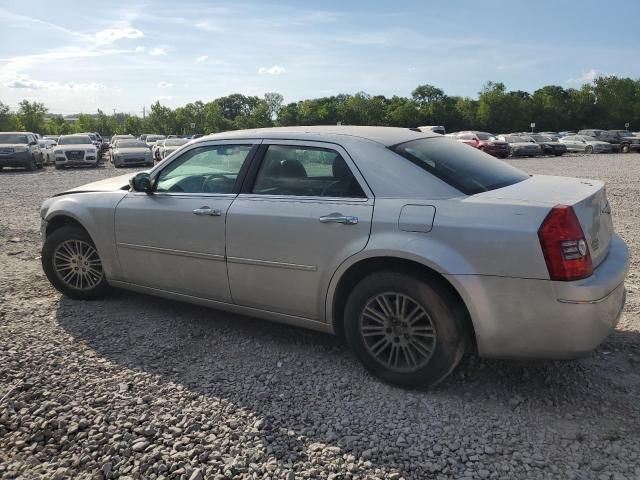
(137,387)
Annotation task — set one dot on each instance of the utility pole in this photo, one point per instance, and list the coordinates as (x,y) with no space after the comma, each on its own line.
(144,112)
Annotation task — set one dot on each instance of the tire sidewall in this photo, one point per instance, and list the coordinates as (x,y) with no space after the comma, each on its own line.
(445,316)
(48,249)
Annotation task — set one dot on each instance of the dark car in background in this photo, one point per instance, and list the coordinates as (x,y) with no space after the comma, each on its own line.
(549,145)
(625,140)
(521,146)
(21,150)
(487,142)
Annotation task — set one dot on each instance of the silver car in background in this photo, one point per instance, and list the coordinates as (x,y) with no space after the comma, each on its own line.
(520,146)
(585,144)
(414,246)
(129,152)
(170,145)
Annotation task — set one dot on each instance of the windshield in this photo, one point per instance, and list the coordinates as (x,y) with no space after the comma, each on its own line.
(75,140)
(13,138)
(466,169)
(93,137)
(175,142)
(154,138)
(542,138)
(131,144)
(515,139)
(486,136)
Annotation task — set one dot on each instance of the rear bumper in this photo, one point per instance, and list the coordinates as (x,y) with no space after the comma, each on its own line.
(542,319)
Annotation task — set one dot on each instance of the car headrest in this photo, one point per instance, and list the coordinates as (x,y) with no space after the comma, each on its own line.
(292,168)
(340,168)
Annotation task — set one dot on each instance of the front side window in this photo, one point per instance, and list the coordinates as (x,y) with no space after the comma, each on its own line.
(209,169)
(305,171)
(466,169)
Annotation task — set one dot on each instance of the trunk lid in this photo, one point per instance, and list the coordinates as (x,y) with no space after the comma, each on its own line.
(587,197)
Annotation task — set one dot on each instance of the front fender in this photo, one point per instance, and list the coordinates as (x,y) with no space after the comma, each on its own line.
(96,213)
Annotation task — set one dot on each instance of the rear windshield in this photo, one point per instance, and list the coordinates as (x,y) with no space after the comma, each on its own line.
(13,138)
(466,169)
(154,138)
(75,140)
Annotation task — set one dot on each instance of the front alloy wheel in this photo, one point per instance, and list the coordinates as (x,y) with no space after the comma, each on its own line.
(72,263)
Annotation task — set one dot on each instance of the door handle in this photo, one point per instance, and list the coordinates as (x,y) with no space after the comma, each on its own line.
(211,212)
(339,218)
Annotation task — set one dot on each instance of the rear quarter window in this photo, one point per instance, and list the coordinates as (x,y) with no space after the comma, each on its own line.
(467,169)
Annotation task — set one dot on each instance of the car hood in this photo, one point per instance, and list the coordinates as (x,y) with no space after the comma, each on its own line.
(131,150)
(12,145)
(107,185)
(80,146)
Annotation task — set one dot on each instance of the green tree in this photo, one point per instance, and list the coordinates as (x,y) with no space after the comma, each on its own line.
(9,121)
(31,115)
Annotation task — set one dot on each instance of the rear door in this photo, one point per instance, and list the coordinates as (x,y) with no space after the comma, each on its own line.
(304,210)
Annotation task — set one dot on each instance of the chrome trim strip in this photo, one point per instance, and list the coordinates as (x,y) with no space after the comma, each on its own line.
(268,263)
(593,302)
(229,307)
(300,199)
(171,251)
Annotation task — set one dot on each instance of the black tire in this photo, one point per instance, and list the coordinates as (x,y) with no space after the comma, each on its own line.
(51,245)
(589,149)
(624,148)
(31,165)
(559,154)
(443,311)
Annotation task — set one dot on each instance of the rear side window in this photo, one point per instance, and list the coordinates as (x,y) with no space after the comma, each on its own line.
(466,169)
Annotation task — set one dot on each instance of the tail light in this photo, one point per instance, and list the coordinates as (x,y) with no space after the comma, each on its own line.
(564,245)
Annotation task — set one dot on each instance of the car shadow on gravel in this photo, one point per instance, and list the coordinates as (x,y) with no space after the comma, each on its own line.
(307,389)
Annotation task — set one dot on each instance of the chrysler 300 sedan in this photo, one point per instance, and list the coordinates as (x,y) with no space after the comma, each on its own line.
(414,246)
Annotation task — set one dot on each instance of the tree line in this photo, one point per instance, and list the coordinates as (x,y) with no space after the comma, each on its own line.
(608,102)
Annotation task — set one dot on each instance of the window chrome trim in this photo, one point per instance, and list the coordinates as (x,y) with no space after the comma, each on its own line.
(171,251)
(301,199)
(268,263)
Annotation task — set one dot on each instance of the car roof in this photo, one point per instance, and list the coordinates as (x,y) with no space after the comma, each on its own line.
(384,135)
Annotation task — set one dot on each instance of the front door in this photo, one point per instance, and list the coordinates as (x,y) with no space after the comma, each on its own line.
(174,239)
(306,211)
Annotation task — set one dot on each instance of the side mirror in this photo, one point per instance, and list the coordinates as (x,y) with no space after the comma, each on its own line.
(33,143)
(141,182)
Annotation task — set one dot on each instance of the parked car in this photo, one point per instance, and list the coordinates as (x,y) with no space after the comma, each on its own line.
(549,145)
(521,146)
(131,152)
(462,250)
(566,134)
(115,138)
(143,137)
(20,150)
(583,143)
(433,128)
(487,142)
(555,136)
(170,145)
(622,140)
(46,147)
(151,139)
(75,151)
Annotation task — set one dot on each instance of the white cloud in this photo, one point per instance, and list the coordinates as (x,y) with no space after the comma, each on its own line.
(586,77)
(140,49)
(202,58)
(26,82)
(165,85)
(154,52)
(207,26)
(111,35)
(275,70)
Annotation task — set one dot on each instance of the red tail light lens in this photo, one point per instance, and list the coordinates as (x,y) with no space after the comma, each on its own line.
(564,245)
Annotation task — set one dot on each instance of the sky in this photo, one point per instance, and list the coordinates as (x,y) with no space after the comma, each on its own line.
(124,55)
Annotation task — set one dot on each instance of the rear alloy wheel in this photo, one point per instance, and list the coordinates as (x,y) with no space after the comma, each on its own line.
(404,331)
(589,149)
(624,148)
(72,264)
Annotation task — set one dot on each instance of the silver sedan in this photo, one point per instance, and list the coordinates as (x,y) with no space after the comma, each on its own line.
(415,247)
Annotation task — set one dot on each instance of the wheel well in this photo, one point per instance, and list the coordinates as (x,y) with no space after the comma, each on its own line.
(360,270)
(61,221)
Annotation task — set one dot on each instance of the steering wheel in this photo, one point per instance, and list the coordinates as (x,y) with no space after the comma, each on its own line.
(332,184)
(209,187)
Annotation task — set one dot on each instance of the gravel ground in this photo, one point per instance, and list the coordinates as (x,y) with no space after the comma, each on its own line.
(137,387)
